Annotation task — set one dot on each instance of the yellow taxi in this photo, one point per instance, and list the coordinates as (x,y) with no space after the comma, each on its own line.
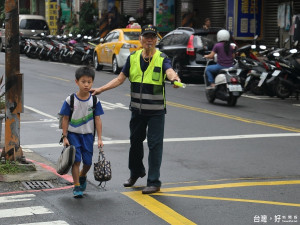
(115,48)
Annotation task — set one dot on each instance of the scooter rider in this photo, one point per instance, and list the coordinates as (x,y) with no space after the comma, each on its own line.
(225,56)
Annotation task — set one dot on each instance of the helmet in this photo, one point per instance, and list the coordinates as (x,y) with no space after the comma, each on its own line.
(223,35)
(131,19)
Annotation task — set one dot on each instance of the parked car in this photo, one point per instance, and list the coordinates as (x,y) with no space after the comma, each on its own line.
(29,25)
(186,47)
(115,48)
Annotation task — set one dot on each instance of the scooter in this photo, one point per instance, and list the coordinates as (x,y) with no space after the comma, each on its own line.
(227,86)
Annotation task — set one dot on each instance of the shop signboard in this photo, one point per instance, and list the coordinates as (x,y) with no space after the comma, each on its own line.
(51,15)
(244,18)
(65,12)
(165,15)
(110,5)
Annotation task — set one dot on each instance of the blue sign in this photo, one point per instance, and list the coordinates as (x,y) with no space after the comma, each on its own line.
(244,18)
(230,16)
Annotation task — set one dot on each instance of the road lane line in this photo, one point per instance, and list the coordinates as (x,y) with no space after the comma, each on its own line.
(231,137)
(53,77)
(114,105)
(188,139)
(39,121)
(105,105)
(237,118)
(231,185)
(233,179)
(256,178)
(228,116)
(25,211)
(159,209)
(230,199)
(40,112)
(16,198)
(57,222)
(259,97)
(172,217)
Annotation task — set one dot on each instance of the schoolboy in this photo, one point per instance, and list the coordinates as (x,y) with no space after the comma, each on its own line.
(79,130)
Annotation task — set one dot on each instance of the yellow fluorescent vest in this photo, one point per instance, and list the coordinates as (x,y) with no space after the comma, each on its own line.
(147,89)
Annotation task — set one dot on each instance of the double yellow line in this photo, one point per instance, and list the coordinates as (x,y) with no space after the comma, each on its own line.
(237,118)
(172,217)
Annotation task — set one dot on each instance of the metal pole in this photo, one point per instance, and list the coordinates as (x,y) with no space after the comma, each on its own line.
(154,12)
(13,82)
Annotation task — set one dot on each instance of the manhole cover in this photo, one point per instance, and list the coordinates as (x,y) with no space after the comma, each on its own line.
(35,185)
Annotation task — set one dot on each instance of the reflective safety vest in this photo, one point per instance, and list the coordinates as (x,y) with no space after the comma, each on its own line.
(147,88)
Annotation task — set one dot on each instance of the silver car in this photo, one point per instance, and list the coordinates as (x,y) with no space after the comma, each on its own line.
(28,26)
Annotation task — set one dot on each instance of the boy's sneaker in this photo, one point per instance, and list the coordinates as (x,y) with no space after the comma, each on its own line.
(77,192)
(82,181)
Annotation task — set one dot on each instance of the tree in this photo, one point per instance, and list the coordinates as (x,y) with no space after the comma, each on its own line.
(2,11)
(88,12)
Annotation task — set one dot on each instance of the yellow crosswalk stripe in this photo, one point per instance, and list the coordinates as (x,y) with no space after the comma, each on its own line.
(159,209)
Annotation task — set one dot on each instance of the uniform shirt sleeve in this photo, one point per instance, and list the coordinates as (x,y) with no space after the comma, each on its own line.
(65,109)
(126,67)
(99,110)
(166,65)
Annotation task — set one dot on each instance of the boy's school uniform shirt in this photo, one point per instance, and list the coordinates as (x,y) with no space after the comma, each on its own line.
(82,121)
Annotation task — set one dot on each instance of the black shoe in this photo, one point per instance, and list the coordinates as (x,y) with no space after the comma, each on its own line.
(150,190)
(131,181)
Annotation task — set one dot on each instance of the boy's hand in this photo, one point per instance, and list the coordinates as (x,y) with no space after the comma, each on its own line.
(100,143)
(66,142)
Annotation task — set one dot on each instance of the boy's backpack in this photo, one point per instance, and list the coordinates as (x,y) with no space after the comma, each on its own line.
(72,96)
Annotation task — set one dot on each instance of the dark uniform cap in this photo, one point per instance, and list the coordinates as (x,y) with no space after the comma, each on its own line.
(149,29)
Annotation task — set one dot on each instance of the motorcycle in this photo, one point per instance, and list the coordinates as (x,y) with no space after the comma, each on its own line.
(287,80)
(227,86)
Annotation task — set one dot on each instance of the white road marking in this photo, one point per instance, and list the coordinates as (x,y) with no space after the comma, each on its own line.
(16,198)
(105,105)
(73,65)
(26,150)
(41,121)
(296,104)
(108,105)
(40,112)
(188,139)
(189,85)
(24,211)
(262,97)
(58,222)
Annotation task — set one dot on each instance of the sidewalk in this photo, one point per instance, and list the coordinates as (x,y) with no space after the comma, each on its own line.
(45,171)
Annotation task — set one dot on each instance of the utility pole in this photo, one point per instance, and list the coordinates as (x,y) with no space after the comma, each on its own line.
(13,83)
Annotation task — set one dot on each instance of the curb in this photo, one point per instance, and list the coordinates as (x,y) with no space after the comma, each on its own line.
(45,170)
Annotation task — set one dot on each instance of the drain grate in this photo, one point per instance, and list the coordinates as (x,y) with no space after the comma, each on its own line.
(36,185)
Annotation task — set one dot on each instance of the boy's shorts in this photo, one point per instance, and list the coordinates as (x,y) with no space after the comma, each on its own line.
(83,144)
